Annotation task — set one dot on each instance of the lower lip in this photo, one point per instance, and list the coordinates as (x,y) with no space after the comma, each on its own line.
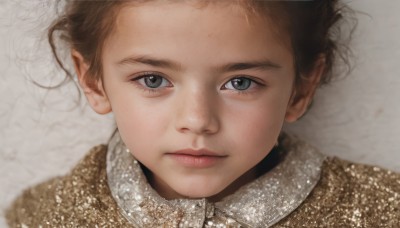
(196,161)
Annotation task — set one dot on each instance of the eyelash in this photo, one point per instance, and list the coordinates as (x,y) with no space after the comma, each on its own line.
(157,90)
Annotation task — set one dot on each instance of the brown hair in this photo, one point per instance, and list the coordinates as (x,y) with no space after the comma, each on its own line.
(312,26)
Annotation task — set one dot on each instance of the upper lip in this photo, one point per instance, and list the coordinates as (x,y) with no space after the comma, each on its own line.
(200,152)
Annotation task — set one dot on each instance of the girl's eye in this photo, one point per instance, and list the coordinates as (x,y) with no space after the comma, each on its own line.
(240,83)
(152,81)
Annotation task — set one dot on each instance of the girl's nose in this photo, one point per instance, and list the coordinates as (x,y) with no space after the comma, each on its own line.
(197,113)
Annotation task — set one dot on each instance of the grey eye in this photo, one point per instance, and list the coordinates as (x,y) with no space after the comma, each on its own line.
(240,83)
(153,81)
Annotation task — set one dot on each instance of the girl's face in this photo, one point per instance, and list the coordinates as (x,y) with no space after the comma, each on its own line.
(199,94)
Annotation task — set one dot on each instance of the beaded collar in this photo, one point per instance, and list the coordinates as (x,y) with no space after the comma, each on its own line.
(261,203)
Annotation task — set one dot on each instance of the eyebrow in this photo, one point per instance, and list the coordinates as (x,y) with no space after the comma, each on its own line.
(149,61)
(263,65)
(162,63)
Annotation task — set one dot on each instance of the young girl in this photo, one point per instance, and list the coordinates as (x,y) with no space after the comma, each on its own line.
(200,91)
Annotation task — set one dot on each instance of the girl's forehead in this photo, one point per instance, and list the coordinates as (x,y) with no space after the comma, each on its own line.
(233,6)
(182,28)
(196,38)
(248,9)
(197,14)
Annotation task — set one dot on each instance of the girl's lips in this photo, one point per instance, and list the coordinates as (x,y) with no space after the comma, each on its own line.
(196,158)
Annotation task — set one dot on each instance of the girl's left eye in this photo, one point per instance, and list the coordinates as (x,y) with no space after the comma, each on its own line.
(240,84)
(152,81)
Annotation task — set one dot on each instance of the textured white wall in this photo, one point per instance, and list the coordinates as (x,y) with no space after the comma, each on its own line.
(42,135)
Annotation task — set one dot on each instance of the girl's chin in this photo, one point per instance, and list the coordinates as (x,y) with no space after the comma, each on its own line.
(189,189)
(195,194)
(213,189)
(191,192)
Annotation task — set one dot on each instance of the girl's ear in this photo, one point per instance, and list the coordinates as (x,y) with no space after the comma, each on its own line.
(94,92)
(302,97)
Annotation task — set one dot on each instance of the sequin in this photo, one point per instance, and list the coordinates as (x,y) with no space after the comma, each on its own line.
(290,195)
(350,195)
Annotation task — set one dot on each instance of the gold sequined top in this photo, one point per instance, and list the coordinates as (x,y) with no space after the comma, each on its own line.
(305,189)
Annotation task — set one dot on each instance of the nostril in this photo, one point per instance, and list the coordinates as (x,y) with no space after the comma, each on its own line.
(196,113)
(198,126)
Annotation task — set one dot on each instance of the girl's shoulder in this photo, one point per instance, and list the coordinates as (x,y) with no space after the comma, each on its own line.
(77,199)
(351,195)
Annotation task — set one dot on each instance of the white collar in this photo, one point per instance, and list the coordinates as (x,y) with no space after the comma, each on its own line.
(261,203)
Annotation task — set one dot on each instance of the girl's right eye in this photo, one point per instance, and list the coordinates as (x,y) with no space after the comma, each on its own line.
(152,81)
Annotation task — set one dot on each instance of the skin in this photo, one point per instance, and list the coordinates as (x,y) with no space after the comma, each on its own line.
(196,106)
